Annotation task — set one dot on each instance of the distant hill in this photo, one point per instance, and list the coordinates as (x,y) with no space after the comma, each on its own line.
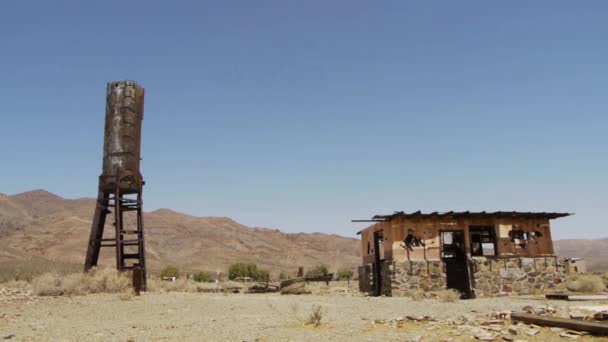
(595,252)
(39,225)
(39,229)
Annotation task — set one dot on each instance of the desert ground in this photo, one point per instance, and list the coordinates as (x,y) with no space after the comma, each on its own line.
(346,315)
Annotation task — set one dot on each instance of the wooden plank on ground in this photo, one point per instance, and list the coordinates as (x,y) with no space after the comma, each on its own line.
(576,297)
(591,327)
(588,297)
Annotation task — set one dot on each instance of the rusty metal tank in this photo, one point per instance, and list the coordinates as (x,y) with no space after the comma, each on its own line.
(122,138)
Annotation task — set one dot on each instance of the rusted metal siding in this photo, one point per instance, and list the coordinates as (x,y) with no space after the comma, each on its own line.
(122,136)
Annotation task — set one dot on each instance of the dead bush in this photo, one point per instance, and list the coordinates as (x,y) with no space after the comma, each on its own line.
(447,295)
(106,280)
(315,316)
(48,284)
(95,281)
(585,283)
(126,296)
(179,285)
(416,295)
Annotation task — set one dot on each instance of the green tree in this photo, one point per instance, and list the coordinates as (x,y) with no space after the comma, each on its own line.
(345,273)
(283,275)
(169,271)
(202,277)
(262,275)
(251,270)
(318,270)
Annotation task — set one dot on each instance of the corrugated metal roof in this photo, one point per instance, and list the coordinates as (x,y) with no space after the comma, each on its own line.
(469,214)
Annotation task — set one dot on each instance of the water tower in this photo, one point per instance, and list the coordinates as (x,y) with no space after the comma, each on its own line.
(121,183)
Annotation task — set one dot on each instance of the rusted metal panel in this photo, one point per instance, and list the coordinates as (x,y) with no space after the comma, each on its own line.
(122,137)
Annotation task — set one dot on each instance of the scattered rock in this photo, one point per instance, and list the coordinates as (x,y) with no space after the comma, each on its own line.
(601,316)
(577,315)
(528,309)
(568,335)
(485,336)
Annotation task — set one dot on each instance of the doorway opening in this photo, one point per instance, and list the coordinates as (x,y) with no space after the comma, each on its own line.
(454,256)
(378,259)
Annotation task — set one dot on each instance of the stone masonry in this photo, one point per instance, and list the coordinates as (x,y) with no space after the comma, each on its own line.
(417,276)
(518,276)
(490,276)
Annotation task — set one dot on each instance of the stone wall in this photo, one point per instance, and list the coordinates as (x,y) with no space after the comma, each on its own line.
(491,276)
(418,275)
(517,276)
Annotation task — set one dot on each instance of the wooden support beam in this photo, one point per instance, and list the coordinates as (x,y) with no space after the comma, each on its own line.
(572,324)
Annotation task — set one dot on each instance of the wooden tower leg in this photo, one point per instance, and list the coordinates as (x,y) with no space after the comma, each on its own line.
(99,221)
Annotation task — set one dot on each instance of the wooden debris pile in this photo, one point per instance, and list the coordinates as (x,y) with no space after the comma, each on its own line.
(294,286)
(501,325)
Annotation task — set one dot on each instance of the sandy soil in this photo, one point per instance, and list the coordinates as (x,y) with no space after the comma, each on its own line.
(242,317)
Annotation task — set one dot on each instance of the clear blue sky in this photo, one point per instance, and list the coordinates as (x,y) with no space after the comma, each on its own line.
(302,115)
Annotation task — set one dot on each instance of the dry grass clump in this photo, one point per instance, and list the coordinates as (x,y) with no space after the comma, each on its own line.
(48,284)
(126,296)
(585,283)
(188,285)
(179,285)
(95,281)
(315,316)
(447,295)
(416,295)
(17,285)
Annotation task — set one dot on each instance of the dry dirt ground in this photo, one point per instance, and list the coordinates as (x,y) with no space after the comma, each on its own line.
(251,317)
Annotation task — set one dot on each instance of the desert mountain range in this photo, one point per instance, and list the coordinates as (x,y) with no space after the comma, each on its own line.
(41,227)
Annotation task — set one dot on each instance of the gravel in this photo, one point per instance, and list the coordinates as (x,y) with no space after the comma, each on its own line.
(233,317)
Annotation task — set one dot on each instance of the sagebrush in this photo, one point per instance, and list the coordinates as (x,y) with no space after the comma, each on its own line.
(95,281)
(586,283)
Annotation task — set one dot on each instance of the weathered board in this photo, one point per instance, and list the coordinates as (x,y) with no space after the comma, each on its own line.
(572,324)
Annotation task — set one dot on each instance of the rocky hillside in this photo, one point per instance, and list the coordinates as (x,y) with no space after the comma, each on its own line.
(594,251)
(39,225)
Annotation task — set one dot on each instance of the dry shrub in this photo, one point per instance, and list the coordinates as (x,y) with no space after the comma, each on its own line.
(125,296)
(585,283)
(416,295)
(179,285)
(95,281)
(48,284)
(106,281)
(447,295)
(315,316)
(153,285)
(18,285)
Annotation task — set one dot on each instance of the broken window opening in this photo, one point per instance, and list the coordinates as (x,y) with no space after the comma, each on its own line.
(522,238)
(452,245)
(483,240)
(412,241)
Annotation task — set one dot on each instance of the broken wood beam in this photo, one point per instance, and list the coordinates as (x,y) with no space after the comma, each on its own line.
(572,324)
(576,297)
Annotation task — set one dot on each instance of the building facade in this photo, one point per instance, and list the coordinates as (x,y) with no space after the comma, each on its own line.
(478,254)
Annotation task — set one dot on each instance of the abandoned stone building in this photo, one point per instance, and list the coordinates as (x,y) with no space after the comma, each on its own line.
(477,253)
